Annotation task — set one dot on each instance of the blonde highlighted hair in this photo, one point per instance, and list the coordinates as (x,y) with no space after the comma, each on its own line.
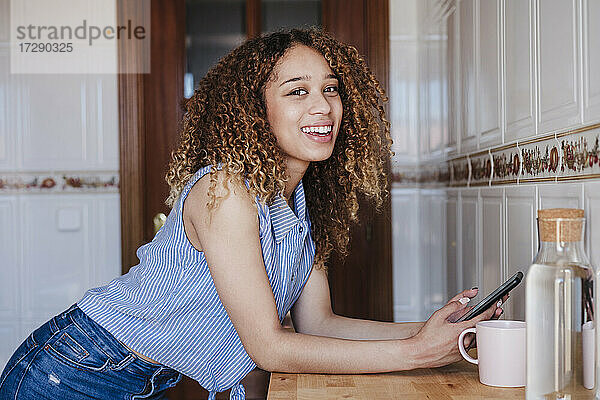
(225,122)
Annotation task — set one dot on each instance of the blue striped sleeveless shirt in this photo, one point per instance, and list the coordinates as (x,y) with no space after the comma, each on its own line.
(167,307)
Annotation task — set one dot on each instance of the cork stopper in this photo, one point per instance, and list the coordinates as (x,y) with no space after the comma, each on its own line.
(560,224)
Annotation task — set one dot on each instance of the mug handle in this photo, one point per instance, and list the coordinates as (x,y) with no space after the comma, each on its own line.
(461,346)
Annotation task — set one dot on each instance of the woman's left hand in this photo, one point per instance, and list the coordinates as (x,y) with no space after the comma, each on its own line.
(470,341)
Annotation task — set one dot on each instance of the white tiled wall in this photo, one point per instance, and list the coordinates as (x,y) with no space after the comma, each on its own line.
(490,234)
(515,69)
(54,245)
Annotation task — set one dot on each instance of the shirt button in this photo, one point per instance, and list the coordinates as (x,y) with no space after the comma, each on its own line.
(301,229)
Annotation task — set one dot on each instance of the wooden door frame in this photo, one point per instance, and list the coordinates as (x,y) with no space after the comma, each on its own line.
(368,266)
(131,140)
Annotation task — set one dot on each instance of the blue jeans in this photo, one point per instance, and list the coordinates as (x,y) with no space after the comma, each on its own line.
(71,357)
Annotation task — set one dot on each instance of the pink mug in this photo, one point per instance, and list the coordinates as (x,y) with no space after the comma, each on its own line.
(501,352)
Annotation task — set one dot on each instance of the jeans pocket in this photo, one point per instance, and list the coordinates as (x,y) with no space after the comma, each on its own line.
(75,349)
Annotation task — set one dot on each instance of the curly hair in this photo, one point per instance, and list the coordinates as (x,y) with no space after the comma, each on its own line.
(225,122)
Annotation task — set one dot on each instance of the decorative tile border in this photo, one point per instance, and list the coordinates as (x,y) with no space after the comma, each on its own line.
(59,182)
(580,155)
(569,155)
(461,171)
(540,160)
(506,164)
(481,169)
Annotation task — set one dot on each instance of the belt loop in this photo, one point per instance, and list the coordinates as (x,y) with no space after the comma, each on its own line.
(73,307)
(53,326)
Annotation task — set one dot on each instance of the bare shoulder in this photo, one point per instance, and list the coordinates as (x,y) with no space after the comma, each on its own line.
(234,204)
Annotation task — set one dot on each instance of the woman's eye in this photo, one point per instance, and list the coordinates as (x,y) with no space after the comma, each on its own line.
(331,89)
(298,92)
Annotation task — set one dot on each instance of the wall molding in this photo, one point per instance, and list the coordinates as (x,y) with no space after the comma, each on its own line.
(53,182)
(561,156)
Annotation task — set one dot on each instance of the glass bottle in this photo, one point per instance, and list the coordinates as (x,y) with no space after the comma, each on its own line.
(560,311)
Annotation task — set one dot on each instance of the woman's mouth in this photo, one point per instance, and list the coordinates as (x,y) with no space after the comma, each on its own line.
(318,133)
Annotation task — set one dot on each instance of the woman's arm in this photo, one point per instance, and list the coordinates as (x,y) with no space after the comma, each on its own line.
(228,235)
(312,314)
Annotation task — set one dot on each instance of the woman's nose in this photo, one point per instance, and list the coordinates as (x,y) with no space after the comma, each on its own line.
(319,104)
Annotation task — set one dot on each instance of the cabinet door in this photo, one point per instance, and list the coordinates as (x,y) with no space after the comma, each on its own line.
(433,248)
(591,60)
(407,293)
(488,73)
(519,50)
(521,242)
(470,239)
(560,195)
(468,81)
(9,278)
(453,278)
(592,227)
(403,91)
(452,79)
(558,91)
(492,239)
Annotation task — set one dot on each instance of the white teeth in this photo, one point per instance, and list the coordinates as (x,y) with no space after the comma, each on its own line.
(317,129)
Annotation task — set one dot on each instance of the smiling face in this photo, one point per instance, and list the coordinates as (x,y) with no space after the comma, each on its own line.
(304,108)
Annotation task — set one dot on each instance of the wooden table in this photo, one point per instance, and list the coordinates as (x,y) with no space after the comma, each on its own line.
(458,381)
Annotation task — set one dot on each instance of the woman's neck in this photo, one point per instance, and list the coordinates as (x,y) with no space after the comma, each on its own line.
(295,172)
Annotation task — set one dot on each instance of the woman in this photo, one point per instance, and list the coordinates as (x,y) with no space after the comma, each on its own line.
(287,126)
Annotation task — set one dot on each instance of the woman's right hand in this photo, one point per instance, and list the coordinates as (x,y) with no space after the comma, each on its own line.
(436,342)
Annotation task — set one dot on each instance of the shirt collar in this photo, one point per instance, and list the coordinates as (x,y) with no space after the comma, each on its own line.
(282,217)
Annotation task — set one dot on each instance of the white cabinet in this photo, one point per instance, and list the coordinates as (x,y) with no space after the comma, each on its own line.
(73,241)
(408,295)
(86,138)
(433,248)
(74,245)
(452,79)
(488,73)
(492,239)
(435,126)
(592,227)
(558,65)
(453,273)
(468,78)
(591,60)
(521,242)
(9,251)
(403,92)
(471,276)
(519,82)
(6,109)
(561,195)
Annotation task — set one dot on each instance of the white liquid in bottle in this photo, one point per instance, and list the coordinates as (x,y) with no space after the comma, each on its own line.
(559,301)
(555,301)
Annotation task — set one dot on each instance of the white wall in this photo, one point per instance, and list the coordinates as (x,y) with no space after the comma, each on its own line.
(59,199)
(513,71)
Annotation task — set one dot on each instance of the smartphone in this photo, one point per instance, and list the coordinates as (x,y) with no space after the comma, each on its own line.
(493,297)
